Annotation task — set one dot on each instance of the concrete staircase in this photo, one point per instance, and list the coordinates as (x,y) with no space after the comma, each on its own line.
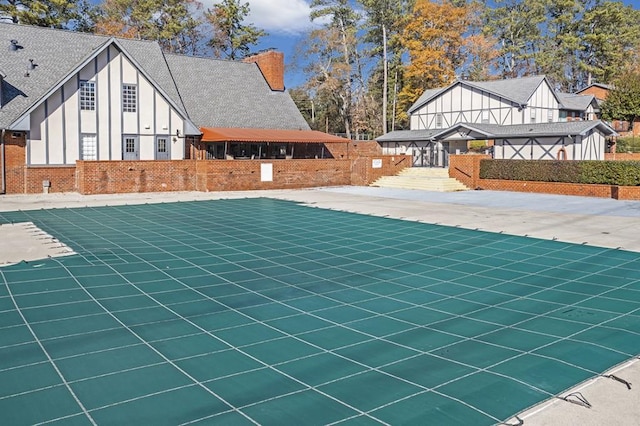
(424,178)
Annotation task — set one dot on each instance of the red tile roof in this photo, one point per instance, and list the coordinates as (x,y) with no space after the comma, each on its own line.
(229,134)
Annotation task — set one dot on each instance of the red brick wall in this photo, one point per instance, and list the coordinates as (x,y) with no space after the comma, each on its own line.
(15,155)
(626,192)
(61,179)
(602,191)
(240,175)
(598,92)
(363,172)
(622,156)
(111,177)
(466,168)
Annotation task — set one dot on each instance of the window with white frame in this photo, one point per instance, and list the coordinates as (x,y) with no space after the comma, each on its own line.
(485,116)
(533,115)
(550,116)
(87,95)
(89,147)
(129,98)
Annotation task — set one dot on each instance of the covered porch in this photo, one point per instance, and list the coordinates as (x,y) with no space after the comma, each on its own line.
(266,144)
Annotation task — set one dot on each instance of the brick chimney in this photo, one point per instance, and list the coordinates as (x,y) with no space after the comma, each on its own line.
(271,64)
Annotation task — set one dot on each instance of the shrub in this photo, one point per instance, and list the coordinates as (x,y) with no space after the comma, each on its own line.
(623,173)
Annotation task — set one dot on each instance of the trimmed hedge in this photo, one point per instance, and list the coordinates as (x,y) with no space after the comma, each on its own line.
(622,173)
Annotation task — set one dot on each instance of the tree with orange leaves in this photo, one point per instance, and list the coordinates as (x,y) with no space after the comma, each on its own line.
(434,39)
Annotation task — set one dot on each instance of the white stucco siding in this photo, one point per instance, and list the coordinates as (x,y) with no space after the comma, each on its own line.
(113,113)
(146,107)
(589,147)
(104,111)
(128,72)
(55,128)
(177,146)
(463,104)
(593,146)
(548,148)
(163,115)
(147,147)
(543,106)
(37,150)
(72,123)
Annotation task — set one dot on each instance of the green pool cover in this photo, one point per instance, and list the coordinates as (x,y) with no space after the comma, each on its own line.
(258,311)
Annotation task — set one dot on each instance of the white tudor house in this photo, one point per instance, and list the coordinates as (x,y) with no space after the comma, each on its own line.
(522,118)
(68,96)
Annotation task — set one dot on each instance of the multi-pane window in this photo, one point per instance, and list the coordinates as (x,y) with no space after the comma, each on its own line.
(533,115)
(129,98)
(550,116)
(485,116)
(162,145)
(129,145)
(439,120)
(89,147)
(87,95)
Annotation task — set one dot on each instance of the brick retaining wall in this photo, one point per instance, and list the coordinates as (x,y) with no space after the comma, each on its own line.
(363,173)
(112,177)
(622,156)
(466,168)
(240,175)
(560,188)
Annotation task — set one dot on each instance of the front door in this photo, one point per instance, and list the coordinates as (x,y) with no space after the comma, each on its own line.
(162,148)
(130,148)
(431,154)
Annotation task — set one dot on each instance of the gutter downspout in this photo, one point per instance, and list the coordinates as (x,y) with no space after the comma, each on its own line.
(3,190)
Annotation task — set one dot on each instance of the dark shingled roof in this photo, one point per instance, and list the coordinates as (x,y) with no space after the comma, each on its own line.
(568,128)
(231,94)
(56,54)
(575,102)
(408,135)
(494,131)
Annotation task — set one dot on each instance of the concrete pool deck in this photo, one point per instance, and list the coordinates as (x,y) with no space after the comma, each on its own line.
(598,222)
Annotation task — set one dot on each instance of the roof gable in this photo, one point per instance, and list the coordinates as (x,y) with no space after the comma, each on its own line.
(59,58)
(516,90)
